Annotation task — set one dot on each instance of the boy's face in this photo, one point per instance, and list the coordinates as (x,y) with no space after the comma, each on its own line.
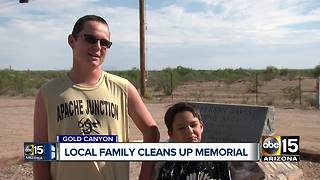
(186,128)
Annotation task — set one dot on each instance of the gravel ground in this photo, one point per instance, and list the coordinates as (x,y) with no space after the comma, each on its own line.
(311,169)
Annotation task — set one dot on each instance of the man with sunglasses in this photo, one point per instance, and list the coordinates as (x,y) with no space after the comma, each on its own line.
(88,100)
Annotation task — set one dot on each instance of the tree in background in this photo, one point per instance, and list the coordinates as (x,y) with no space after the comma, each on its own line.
(316,71)
(270,73)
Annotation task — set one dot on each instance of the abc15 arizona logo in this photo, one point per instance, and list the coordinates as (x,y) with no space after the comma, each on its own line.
(33,151)
(280,148)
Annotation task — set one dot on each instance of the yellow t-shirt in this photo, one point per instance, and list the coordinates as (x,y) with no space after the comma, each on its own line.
(100,109)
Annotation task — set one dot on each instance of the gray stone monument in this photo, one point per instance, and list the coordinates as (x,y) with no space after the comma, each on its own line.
(235,123)
(244,123)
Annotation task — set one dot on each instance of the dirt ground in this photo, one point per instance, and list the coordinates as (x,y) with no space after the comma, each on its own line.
(17,127)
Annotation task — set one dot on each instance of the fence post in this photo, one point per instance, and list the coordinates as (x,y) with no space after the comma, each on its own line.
(1,87)
(20,86)
(318,92)
(300,92)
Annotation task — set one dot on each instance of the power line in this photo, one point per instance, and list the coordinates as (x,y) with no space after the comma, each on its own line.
(11,3)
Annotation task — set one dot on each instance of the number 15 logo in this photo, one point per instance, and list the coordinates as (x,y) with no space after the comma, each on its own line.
(290,145)
(38,150)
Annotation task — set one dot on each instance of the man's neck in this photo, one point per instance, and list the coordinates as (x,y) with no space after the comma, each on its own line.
(85,77)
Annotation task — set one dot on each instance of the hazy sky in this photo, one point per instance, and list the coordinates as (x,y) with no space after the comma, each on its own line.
(201,34)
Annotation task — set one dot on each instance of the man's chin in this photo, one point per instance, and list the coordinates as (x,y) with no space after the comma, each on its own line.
(95,63)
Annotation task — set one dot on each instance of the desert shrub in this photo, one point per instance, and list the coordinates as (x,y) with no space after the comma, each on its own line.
(270,73)
(311,101)
(316,71)
(252,84)
(19,84)
(185,74)
(229,76)
(29,92)
(2,85)
(148,94)
(47,74)
(206,75)
(182,71)
(161,81)
(25,83)
(284,72)
(230,79)
(5,81)
(291,93)
(292,76)
(132,75)
(39,82)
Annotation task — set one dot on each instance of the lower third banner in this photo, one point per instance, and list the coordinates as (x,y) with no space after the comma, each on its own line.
(158,151)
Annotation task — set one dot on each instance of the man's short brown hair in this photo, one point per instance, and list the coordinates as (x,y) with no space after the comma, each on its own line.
(78,26)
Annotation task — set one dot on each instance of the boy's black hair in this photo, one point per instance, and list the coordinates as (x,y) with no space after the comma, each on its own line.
(179,107)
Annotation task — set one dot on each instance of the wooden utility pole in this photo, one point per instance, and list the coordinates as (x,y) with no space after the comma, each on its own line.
(142,49)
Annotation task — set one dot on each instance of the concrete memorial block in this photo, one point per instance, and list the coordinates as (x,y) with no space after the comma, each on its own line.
(244,123)
(235,123)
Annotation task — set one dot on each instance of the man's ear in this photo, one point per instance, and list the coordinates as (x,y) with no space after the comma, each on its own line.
(71,41)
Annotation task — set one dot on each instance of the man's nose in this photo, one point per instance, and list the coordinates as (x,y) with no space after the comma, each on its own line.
(97,45)
(190,130)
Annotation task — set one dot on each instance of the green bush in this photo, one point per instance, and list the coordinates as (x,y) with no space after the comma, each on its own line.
(270,73)
(24,83)
(316,71)
(161,81)
(27,82)
(284,72)
(132,75)
(252,84)
(291,93)
(182,71)
(289,74)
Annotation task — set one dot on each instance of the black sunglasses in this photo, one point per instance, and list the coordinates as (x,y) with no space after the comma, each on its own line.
(93,40)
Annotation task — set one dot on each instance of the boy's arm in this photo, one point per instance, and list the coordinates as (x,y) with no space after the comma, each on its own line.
(145,123)
(41,170)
